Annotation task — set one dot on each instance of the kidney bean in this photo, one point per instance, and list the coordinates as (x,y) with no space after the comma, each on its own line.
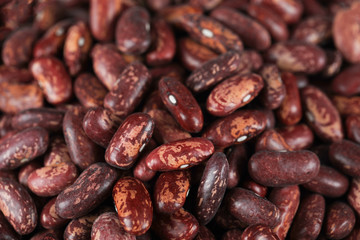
(180,154)
(277,169)
(270,20)
(57,152)
(255,59)
(314,29)
(297,57)
(347,105)
(290,110)
(53,78)
(87,192)
(171,70)
(352,125)
(129,140)
(102,19)
(287,199)
(133,31)
(89,90)
(193,55)
(49,219)
(339,221)
(51,180)
(345,155)
(309,218)
(16,50)
(166,128)
(258,231)
(23,147)
(233,93)
(7,232)
(334,61)
(217,69)
(108,63)
(142,172)
(16,97)
(251,209)
(12,74)
(353,195)
(253,34)
(171,190)
(225,220)
(16,12)
(133,205)
(47,235)
(179,225)
(255,187)
(80,228)
(232,234)
(157,5)
(271,140)
(128,90)
(322,114)
(52,41)
(107,226)
(17,206)
(47,118)
(204,234)
(237,158)
(210,33)
(47,14)
(181,104)
(329,182)
(347,82)
(355,234)
(77,46)
(274,91)
(289,10)
(236,128)
(313,7)
(25,171)
(298,136)
(215,178)
(164,46)
(345,38)
(205,4)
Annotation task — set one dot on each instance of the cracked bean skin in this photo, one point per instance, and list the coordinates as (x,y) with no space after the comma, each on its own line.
(329,182)
(181,104)
(100,125)
(253,34)
(180,225)
(290,109)
(129,140)
(258,231)
(347,83)
(107,226)
(193,55)
(53,78)
(88,191)
(215,178)
(217,69)
(51,180)
(233,93)
(236,128)
(309,218)
(23,147)
(133,205)
(83,151)
(170,191)
(251,209)
(298,57)
(322,114)
(49,219)
(271,140)
(287,199)
(180,154)
(47,118)
(280,169)
(133,31)
(128,90)
(211,33)
(108,63)
(274,91)
(339,220)
(298,136)
(345,156)
(17,206)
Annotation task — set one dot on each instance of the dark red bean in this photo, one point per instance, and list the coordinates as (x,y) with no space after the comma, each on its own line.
(49,219)
(57,152)
(334,61)
(347,82)
(314,29)
(23,147)
(80,228)
(255,187)
(232,234)
(88,191)
(353,194)
(12,74)
(271,140)
(215,178)
(277,169)
(345,155)
(237,158)
(181,104)
(48,235)
(25,171)
(7,232)
(251,209)
(298,136)
(339,221)
(174,14)
(352,125)
(347,105)
(258,231)
(133,205)
(204,234)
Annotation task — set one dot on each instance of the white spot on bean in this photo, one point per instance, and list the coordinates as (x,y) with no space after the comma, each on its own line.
(309,116)
(172,99)
(59,32)
(187,193)
(81,42)
(207,33)
(147,27)
(184,166)
(142,147)
(241,139)
(247,98)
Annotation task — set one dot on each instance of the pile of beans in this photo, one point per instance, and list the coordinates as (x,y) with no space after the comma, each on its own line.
(180,119)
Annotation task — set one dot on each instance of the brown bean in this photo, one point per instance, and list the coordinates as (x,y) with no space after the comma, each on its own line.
(133,205)
(339,221)
(47,14)
(277,169)
(345,155)
(298,136)
(89,90)
(23,147)
(258,231)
